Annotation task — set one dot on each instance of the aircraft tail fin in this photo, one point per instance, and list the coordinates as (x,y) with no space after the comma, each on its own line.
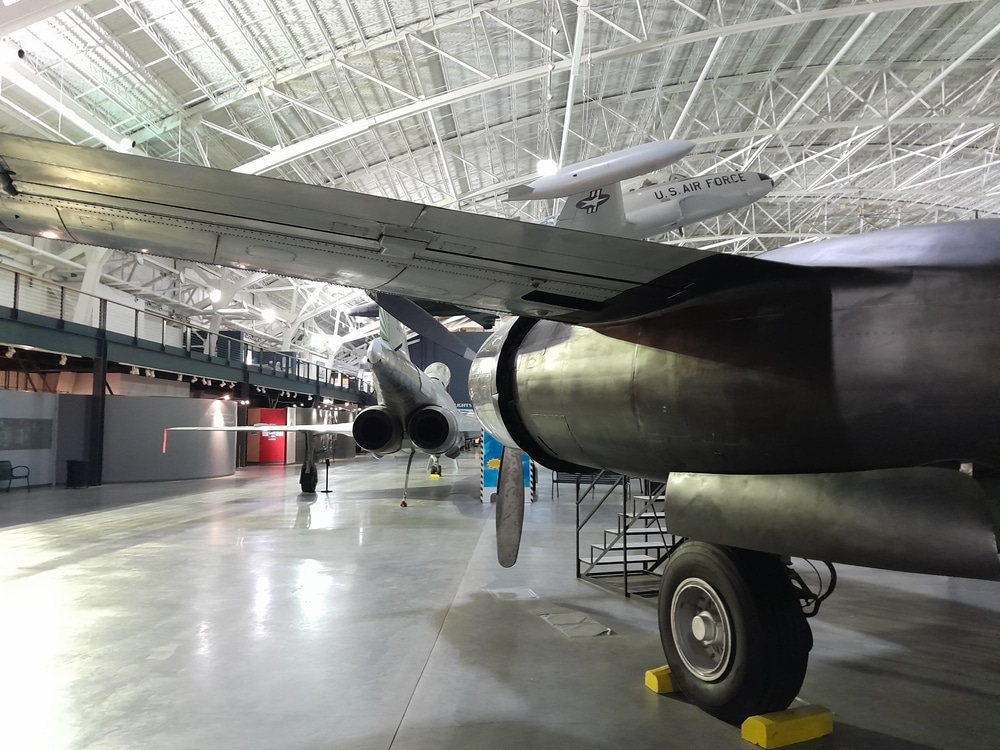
(391,332)
(600,211)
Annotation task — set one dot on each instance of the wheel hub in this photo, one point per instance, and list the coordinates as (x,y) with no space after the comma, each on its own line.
(704,627)
(701,629)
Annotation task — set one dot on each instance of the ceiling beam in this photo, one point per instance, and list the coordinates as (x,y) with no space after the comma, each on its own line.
(20,15)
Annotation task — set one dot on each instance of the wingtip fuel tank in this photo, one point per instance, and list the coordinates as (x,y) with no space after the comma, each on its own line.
(602,170)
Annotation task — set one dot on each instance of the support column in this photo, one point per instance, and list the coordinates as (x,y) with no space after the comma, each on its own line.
(242,418)
(95,421)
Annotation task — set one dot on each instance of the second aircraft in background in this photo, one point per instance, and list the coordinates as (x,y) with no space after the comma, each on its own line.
(595,201)
(414,411)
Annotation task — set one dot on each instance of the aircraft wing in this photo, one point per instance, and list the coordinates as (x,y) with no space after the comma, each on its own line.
(245,221)
(344,428)
(319,429)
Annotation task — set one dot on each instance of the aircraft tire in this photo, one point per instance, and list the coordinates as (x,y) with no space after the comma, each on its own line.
(733,630)
(308,481)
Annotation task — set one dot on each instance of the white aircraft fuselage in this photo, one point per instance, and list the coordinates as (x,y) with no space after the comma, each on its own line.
(655,209)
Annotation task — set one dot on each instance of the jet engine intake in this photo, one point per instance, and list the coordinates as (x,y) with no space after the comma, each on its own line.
(493,388)
(377,430)
(433,430)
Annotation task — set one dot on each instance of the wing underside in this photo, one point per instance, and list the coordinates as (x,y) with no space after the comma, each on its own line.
(213,216)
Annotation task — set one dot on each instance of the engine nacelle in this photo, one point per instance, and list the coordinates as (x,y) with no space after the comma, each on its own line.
(763,377)
(433,430)
(377,430)
(493,388)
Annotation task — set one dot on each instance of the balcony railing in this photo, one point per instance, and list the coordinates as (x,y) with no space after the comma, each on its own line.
(24,294)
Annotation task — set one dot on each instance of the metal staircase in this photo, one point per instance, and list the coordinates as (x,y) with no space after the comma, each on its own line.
(627,555)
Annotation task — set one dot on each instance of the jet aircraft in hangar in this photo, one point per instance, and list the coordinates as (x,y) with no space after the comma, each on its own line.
(801,403)
(414,412)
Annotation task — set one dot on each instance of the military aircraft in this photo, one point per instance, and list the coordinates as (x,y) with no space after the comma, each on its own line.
(802,403)
(595,201)
(414,411)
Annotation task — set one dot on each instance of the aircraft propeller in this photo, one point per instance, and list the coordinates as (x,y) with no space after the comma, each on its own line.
(510,506)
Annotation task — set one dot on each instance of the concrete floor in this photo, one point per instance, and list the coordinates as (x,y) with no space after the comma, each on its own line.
(227,613)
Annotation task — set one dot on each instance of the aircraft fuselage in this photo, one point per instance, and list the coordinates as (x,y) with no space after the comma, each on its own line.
(655,209)
(412,405)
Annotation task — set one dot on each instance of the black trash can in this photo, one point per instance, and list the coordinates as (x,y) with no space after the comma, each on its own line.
(76,474)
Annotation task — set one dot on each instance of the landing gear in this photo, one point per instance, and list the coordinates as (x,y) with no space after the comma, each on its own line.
(733,630)
(308,479)
(406,479)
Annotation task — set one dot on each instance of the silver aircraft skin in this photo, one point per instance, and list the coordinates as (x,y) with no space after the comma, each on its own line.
(813,402)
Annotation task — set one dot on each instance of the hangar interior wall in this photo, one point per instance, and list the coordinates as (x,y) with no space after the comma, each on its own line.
(28,429)
(44,430)
(71,437)
(133,439)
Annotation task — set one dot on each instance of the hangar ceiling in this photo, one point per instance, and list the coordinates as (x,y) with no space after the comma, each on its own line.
(867,114)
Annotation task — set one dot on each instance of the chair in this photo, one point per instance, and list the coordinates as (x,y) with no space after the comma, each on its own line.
(10,473)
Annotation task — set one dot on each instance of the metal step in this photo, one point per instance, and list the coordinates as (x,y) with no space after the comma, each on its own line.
(650,514)
(634,544)
(634,530)
(619,559)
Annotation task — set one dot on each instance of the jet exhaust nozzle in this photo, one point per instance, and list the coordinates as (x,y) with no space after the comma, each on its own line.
(433,430)
(377,430)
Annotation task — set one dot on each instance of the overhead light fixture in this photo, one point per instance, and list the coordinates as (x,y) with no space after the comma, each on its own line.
(179,377)
(134,370)
(547,167)
(150,373)
(10,352)
(63,360)
(194,378)
(214,296)
(268,315)
(51,234)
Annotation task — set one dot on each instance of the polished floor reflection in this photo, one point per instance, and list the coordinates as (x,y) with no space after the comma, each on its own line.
(234,613)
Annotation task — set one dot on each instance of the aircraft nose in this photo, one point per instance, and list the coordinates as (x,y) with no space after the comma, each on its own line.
(765,178)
